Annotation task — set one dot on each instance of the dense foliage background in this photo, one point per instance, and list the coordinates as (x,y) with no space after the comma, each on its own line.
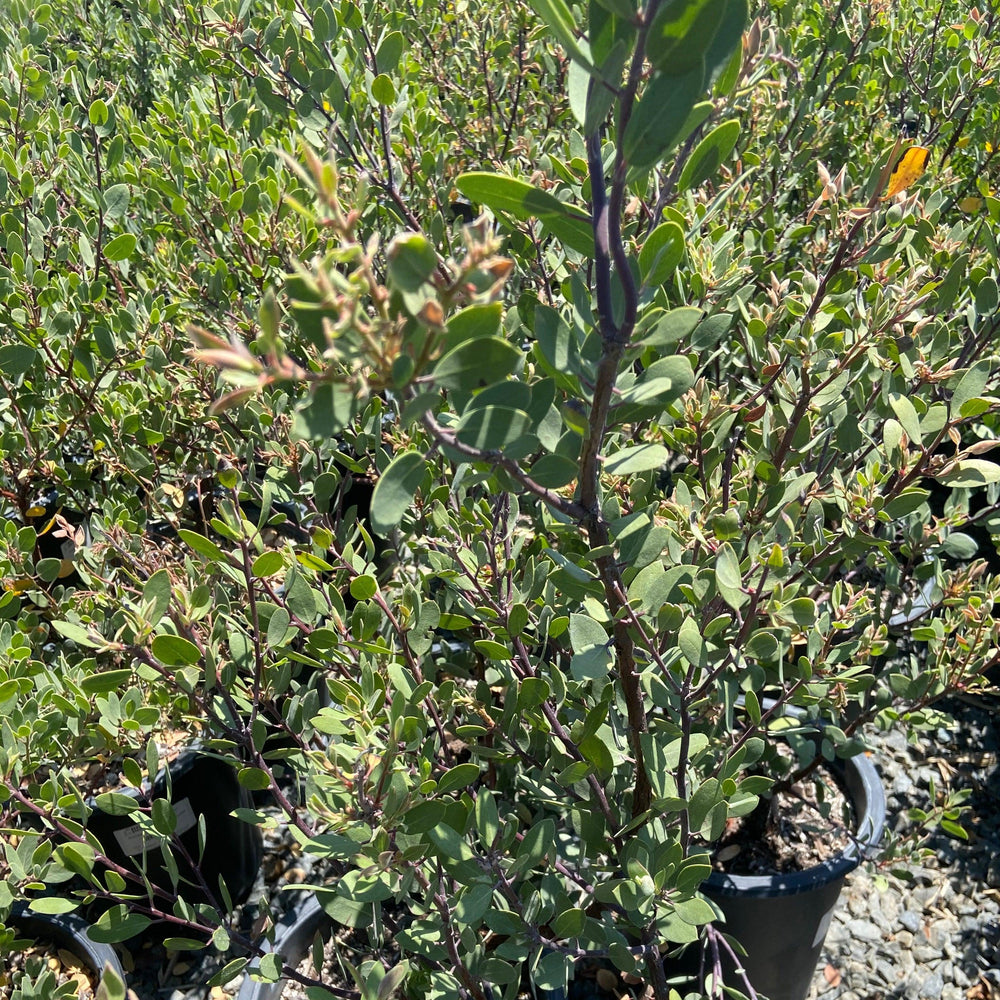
(288,187)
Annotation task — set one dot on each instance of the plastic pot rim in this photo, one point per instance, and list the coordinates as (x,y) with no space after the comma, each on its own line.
(67,930)
(868,798)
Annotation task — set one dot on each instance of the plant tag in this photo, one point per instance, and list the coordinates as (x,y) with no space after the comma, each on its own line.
(131,838)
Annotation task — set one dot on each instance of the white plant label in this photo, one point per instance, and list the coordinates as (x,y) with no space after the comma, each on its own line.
(132,840)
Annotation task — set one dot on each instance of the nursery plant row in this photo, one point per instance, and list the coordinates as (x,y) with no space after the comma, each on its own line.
(518,455)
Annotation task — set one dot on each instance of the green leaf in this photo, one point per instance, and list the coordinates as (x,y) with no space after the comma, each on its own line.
(481,320)
(590,100)
(202,545)
(802,611)
(539,843)
(474,903)
(254,778)
(184,944)
(487,817)
(623,8)
(636,458)
(727,40)
(228,972)
(98,112)
(489,428)
(121,247)
(523,201)
(116,200)
(591,649)
(969,473)
(660,118)
(667,328)
(111,986)
(412,260)
(595,751)
(236,114)
(164,817)
(395,490)
(267,564)
(449,843)
(270,966)
(107,680)
(987,296)
(492,650)
(661,253)
(906,413)
(116,803)
(16,360)
(117,925)
(569,923)
(954,829)
(156,595)
(681,34)
(728,577)
(53,904)
(476,364)
(690,642)
(325,412)
(394,978)
(364,587)
(696,911)
(389,51)
(553,471)
(706,797)
(77,633)
(175,651)
(459,776)
(383,90)
(714,150)
(971,385)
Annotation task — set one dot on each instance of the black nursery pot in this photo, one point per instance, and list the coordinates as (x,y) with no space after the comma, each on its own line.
(202,786)
(68,931)
(293,937)
(782,920)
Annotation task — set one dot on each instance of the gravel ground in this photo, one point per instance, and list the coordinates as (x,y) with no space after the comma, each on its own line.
(939,935)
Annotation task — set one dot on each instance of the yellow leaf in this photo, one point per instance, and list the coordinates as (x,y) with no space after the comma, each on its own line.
(970,205)
(907,170)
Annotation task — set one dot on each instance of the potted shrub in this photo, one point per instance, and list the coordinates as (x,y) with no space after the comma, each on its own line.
(641,515)
(651,442)
(645,501)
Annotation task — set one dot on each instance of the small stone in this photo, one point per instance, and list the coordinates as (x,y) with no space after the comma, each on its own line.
(993,873)
(904,939)
(942,932)
(885,971)
(959,978)
(952,992)
(902,784)
(932,987)
(911,920)
(864,930)
(924,951)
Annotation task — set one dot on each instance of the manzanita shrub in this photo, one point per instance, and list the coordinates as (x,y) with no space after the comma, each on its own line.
(586,404)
